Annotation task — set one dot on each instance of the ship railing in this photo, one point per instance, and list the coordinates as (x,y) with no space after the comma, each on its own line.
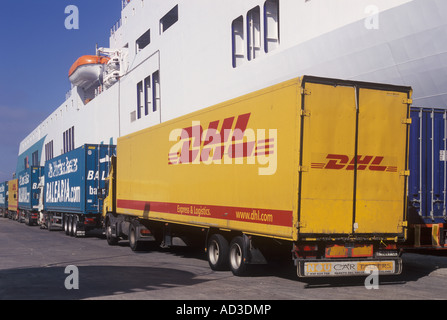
(124,3)
(68,95)
(118,24)
(115,27)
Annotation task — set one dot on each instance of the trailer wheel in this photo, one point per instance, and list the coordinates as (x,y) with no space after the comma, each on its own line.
(217,250)
(70,225)
(134,244)
(74,225)
(48,222)
(19,217)
(112,241)
(27,219)
(66,225)
(238,257)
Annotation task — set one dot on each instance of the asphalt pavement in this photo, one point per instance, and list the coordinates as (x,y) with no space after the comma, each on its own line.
(37,264)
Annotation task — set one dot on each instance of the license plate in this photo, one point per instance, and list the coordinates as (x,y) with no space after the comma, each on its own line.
(346,268)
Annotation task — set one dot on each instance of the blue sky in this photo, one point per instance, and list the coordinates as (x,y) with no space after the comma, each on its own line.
(36,52)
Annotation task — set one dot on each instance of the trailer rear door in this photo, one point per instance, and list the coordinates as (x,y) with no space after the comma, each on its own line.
(383,135)
(328,137)
(354,158)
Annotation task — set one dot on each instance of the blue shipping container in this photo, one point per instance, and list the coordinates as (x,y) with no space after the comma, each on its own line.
(428,160)
(4,195)
(74,179)
(28,181)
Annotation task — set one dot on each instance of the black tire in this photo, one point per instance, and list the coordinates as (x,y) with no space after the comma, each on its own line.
(48,221)
(74,226)
(70,225)
(134,244)
(238,257)
(217,251)
(112,241)
(67,225)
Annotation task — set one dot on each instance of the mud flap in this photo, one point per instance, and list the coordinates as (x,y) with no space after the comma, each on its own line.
(253,254)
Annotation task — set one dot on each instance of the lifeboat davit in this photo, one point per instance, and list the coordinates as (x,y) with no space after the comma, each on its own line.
(87,71)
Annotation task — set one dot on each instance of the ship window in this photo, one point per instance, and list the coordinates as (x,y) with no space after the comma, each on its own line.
(68,140)
(169,19)
(156,93)
(147,95)
(237,28)
(49,151)
(253,33)
(35,158)
(271,25)
(143,41)
(72,144)
(139,99)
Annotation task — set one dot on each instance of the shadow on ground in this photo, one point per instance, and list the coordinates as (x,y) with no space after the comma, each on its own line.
(94,281)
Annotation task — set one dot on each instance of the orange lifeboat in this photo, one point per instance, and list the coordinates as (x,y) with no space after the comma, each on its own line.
(87,71)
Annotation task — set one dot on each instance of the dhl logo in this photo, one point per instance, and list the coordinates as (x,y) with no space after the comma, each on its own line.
(224,142)
(344,162)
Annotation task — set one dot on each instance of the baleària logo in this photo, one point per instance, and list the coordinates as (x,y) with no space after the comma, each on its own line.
(225,142)
(344,162)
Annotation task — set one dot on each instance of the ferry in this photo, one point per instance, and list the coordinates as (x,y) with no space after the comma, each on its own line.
(168,58)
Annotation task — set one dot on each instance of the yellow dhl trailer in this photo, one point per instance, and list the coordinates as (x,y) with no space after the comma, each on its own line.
(13,188)
(317,166)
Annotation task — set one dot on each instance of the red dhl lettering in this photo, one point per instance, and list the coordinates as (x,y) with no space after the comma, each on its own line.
(233,141)
(197,145)
(344,162)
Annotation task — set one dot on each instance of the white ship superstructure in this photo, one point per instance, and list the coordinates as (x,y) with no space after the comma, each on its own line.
(167,58)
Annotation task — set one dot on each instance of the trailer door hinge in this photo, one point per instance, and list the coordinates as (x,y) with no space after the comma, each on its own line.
(305,91)
(301,224)
(303,169)
(405,173)
(407,101)
(305,113)
(407,121)
(403,224)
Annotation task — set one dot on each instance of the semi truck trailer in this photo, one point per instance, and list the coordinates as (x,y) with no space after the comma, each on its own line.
(13,199)
(313,167)
(427,214)
(73,188)
(29,194)
(4,199)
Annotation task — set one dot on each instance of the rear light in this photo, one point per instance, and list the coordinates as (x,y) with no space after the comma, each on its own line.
(145,232)
(306,250)
(89,221)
